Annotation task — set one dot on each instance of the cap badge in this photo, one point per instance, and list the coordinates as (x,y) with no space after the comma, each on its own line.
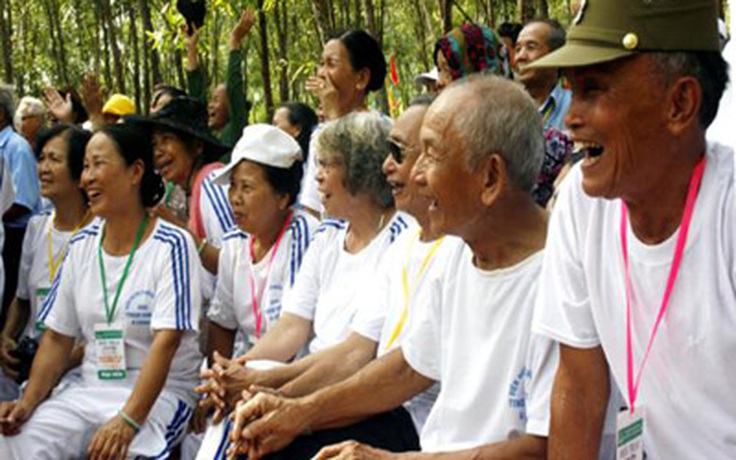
(630,41)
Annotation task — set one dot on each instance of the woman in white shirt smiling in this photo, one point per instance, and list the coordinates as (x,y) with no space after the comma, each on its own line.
(129,287)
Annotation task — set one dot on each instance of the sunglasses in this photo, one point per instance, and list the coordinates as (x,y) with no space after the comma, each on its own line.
(396,151)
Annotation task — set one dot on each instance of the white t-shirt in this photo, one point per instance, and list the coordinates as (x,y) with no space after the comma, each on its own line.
(34,271)
(326,288)
(309,195)
(232,306)
(382,303)
(217,216)
(473,335)
(687,384)
(161,292)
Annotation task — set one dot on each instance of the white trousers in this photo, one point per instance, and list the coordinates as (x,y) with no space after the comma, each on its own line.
(62,426)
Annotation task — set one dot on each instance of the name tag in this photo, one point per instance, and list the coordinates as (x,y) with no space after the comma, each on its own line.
(41,294)
(630,435)
(110,351)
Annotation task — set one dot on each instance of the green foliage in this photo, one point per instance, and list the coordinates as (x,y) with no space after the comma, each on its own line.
(407,28)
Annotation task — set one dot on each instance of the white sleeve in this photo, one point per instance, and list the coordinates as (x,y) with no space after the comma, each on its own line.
(59,310)
(7,191)
(542,362)
(422,346)
(563,310)
(217,216)
(177,300)
(26,258)
(301,299)
(222,308)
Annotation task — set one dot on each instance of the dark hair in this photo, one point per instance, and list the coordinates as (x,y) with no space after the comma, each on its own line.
(510,30)
(76,139)
(135,144)
(80,113)
(285,180)
(708,67)
(365,53)
(557,34)
(303,116)
(163,89)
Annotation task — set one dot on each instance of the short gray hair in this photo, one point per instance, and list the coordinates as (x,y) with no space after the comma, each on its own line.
(32,106)
(500,118)
(359,142)
(7,102)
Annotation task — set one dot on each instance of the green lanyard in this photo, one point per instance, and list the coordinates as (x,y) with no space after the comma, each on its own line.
(111,312)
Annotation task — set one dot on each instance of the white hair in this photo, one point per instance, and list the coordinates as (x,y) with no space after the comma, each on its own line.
(28,106)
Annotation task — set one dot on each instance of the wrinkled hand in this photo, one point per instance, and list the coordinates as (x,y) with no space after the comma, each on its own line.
(13,414)
(242,28)
(353,450)
(325,90)
(111,441)
(225,382)
(92,95)
(7,361)
(59,107)
(266,423)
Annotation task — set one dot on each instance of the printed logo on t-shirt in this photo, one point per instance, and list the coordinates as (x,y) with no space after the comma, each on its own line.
(517,392)
(273,310)
(138,308)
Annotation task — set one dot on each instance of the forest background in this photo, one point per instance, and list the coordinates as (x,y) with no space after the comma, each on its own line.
(134,44)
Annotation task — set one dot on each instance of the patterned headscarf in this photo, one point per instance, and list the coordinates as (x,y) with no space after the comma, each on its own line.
(471,48)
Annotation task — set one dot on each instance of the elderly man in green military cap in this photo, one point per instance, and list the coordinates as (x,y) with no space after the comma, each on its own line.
(640,265)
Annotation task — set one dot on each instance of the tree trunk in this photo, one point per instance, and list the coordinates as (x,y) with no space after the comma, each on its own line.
(105,49)
(265,62)
(543,9)
(133,32)
(148,28)
(112,35)
(422,35)
(282,28)
(446,15)
(6,32)
(60,38)
(526,10)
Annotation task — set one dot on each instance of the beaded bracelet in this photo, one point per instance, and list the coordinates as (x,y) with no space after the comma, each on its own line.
(127,419)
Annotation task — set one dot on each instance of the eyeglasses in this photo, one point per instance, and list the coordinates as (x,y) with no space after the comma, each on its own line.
(396,151)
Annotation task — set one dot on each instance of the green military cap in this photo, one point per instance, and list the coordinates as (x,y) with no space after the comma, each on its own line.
(605,30)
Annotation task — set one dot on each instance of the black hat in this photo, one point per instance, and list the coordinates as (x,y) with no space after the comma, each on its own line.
(193,11)
(185,115)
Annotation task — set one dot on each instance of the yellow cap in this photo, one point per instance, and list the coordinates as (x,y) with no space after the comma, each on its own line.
(119,105)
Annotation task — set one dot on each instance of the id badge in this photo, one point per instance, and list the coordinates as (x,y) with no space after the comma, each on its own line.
(41,294)
(630,435)
(110,351)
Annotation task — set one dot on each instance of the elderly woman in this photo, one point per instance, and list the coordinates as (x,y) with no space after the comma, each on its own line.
(186,153)
(261,258)
(60,156)
(343,255)
(351,67)
(128,286)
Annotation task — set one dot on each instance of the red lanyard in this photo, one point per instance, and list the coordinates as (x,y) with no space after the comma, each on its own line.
(257,312)
(692,195)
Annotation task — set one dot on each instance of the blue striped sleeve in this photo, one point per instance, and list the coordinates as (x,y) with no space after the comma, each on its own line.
(179,256)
